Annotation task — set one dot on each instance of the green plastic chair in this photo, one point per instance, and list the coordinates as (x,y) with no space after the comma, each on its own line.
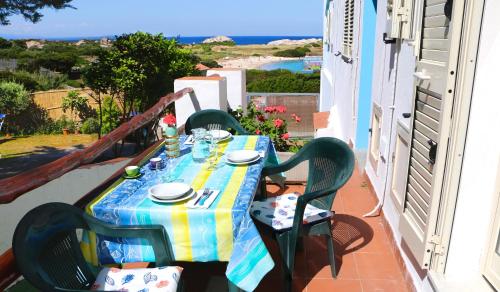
(212,119)
(48,253)
(331,164)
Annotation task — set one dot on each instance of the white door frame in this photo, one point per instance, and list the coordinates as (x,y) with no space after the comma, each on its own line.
(461,91)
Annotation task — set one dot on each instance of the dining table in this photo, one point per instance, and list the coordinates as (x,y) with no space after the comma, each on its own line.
(223,232)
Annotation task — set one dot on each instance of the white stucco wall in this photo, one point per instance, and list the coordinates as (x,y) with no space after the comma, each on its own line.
(236,85)
(209,93)
(338,94)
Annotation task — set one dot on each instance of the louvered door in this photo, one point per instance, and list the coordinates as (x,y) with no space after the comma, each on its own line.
(430,85)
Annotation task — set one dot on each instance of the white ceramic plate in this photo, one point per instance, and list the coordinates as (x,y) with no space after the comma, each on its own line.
(219,134)
(169,191)
(242,156)
(244,162)
(185,197)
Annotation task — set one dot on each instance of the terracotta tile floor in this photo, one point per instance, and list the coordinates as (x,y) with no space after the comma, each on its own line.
(364,257)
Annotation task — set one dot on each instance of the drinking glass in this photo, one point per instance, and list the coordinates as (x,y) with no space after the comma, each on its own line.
(169,169)
(213,152)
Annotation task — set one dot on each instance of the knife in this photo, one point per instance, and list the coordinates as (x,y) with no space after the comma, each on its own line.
(205,193)
(206,198)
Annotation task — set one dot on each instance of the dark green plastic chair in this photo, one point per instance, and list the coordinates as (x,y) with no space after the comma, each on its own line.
(47,249)
(331,164)
(212,119)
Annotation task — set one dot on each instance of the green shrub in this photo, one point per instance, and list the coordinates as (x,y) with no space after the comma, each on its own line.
(14,98)
(316,45)
(5,44)
(35,81)
(282,81)
(211,63)
(90,126)
(267,122)
(56,127)
(293,53)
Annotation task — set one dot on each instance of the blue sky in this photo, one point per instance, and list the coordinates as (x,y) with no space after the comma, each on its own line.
(180,17)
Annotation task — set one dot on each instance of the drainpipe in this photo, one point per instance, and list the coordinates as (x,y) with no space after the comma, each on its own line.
(376,211)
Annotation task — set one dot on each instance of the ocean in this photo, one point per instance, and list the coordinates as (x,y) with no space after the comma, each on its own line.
(239,40)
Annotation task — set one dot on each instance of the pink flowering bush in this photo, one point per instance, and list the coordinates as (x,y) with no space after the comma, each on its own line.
(265,121)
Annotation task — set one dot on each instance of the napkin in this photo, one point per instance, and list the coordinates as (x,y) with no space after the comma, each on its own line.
(206,204)
(189,140)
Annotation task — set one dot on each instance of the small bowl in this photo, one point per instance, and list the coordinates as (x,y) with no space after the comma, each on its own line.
(132,170)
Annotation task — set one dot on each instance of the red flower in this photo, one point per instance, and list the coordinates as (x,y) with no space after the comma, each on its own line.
(278,123)
(281,108)
(285,136)
(261,118)
(297,118)
(270,109)
(169,120)
(257,132)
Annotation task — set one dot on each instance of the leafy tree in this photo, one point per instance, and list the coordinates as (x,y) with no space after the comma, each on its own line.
(14,98)
(138,70)
(29,9)
(5,44)
(110,115)
(78,105)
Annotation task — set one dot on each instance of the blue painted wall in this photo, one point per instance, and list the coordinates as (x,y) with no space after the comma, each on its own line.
(366,72)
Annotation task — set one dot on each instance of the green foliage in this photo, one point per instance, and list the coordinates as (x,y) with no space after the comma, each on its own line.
(282,81)
(316,45)
(35,81)
(293,53)
(5,44)
(78,105)
(14,98)
(139,69)
(56,127)
(90,126)
(110,115)
(211,63)
(29,9)
(265,121)
(59,62)
(225,43)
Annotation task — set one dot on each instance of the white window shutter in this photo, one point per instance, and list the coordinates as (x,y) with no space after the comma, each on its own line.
(348,37)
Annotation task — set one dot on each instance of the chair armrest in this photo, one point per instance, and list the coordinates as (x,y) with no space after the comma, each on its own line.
(287,165)
(156,236)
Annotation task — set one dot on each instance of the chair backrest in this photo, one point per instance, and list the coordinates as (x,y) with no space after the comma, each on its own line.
(212,119)
(48,253)
(47,249)
(331,164)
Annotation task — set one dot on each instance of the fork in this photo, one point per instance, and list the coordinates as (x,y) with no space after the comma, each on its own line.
(206,191)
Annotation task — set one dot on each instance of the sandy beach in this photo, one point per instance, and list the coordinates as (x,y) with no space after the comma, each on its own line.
(253,62)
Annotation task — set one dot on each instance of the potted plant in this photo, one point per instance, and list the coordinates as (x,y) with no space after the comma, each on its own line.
(266,121)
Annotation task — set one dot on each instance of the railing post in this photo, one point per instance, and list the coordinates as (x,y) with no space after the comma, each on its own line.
(208,93)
